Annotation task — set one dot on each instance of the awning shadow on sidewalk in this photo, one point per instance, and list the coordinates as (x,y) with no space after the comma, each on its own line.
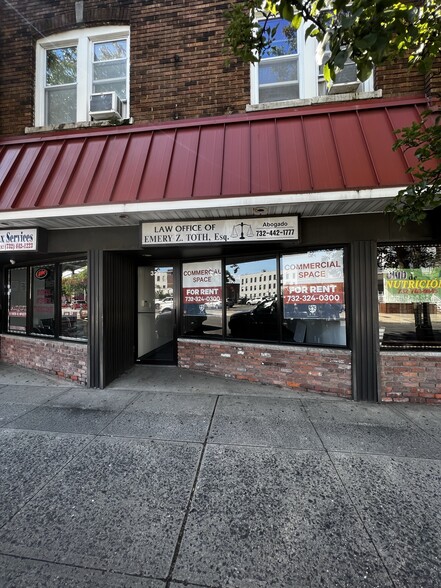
(173,379)
(152,378)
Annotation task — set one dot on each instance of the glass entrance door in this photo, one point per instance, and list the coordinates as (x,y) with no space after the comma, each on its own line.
(156,315)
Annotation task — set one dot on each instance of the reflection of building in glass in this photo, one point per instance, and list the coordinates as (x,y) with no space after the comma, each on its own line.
(164,282)
(258,285)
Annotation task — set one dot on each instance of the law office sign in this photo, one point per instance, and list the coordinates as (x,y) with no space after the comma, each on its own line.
(19,240)
(240,230)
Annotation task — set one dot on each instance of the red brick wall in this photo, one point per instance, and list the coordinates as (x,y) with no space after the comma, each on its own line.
(178,63)
(58,358)
(433,82)
(411,377)
(397,79)
(327,371)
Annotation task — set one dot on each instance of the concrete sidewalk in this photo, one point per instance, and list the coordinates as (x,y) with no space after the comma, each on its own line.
(169,479)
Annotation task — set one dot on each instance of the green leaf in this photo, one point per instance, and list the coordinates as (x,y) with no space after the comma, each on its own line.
(347,21)
(311,31)
(327,74)
(364,70)
(297,21)
(287,11)
(340,59)
(370,40)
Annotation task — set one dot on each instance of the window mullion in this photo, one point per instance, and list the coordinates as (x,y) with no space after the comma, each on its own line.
(254,73)
(29,301)
(308,77)
(83,79)
(40,84)
(57,300)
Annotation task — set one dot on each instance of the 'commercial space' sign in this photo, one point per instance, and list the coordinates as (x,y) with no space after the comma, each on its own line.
(315,277)
(202,282)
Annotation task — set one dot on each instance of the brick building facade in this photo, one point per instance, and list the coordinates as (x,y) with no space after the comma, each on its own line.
(193,76)
(183,79)
(194,146)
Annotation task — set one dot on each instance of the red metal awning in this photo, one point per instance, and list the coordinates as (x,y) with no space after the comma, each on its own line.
(328,147)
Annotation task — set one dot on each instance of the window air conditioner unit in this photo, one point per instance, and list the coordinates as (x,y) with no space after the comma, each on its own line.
(105,106)
(345,88)
(346,81)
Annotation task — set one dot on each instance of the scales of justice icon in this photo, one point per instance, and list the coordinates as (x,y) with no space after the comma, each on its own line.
(242,229)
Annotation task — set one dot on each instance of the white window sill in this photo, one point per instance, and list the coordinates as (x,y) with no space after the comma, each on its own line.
(80,125)
(330,98)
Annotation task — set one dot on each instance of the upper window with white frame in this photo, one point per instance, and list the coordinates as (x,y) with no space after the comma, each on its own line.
(74,65)
(288,69)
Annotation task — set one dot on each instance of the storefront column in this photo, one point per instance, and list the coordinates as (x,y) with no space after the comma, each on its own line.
(95,366)
(112,288)
(364,323)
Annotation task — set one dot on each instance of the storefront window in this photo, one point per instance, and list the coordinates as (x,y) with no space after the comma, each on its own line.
(202,298)
(409,296)
(297,299)
(17,297)
(252,305)
(74,300)
(43,299)
(52,304)
(313,297)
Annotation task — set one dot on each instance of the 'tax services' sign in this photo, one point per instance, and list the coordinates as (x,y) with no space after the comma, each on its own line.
(221,231)
(18,240)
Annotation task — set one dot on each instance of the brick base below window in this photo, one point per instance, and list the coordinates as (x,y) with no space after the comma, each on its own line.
(58,358)
(327,371)
(411,377)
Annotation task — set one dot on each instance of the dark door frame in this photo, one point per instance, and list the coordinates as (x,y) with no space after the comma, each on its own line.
(176,265)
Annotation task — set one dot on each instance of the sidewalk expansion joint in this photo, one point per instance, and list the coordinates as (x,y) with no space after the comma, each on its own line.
(371,539)
(169,577)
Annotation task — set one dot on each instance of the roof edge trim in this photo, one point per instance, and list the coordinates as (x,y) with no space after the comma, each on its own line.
(206,204)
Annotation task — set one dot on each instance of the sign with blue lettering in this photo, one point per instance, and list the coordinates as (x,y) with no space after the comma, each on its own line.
(18,240)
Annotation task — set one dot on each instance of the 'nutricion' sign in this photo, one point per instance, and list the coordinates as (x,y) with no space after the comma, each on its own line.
(221,231)
(18,240)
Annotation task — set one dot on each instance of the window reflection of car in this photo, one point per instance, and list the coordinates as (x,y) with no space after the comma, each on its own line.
(262,322)
(166,304)
(80,307)
(229,303)
(194,316)
(214,305)
(259,323)
(253,301)
(78,304)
